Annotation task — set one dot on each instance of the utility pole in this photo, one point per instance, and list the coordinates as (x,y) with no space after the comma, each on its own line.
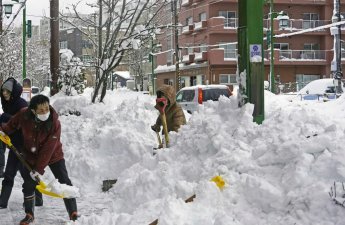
(99,40)
(250,56)
(177,60)
(24,41)
(272,78)
(1,11)
(336,63)
(151,58)
(54,48)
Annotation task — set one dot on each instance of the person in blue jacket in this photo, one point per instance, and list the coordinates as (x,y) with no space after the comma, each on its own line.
(12,102)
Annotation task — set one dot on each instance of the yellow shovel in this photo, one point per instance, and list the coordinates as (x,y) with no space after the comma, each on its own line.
(41,187)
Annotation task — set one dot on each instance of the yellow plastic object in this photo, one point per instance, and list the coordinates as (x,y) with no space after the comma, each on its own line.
(6,139)
(42,187)
(219,181)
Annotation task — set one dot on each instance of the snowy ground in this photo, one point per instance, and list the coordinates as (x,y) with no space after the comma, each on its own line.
(276,173)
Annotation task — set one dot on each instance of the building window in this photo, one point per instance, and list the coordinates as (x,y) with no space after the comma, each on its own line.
(202,16)
(310,20)
(169,46)
(189,20)
(86,44)
(169,82)
(230,18)
(63,44)
(285,52)
(303,79)
(203,48)
(229,50)
(86,58)
(227,79)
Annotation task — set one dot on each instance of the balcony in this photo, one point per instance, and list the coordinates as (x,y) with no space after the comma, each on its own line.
(200,56)
(302,55)
(222,25)
(305,2)
(186,2)
(200,25)
(187,29)
(299,57)
(217,56)
(188,58)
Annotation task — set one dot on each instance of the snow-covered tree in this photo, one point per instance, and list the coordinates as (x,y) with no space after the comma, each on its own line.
(120,26)
(71,80)
(10,56)
(38,63)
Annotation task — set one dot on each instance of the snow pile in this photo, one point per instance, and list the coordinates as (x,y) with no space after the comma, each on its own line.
(277,173)
(62,189)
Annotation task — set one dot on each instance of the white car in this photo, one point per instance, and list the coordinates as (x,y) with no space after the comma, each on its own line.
(190,97)
(34,91)
(318,90)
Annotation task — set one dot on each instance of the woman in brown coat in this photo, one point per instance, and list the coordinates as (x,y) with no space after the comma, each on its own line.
(173,111)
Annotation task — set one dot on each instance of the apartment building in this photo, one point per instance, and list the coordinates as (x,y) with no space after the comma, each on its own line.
(208,43)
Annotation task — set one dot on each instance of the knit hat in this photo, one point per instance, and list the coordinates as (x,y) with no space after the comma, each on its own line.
(8,85)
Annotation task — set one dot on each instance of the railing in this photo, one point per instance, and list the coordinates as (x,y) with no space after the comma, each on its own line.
(186,29)
(230,54)
(302,54)
(230,22)
(198,25)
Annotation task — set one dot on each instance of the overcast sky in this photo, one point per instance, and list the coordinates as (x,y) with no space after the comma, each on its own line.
(36,9)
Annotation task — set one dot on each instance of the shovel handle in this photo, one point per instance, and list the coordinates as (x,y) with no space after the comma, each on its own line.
(160,145)
(165,128)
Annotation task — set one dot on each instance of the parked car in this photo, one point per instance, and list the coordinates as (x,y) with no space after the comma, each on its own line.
(321,89)
(34,91)
(190,97)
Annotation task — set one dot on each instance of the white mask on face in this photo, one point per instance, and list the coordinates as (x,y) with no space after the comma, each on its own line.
(43,117)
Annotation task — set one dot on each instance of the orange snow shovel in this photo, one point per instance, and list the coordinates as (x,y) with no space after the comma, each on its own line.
(162,104)
(41,187)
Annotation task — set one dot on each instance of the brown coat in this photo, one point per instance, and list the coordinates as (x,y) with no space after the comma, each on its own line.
(42,144)
(173,112)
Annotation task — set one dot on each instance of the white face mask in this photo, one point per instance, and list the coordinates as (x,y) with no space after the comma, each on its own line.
(43,117)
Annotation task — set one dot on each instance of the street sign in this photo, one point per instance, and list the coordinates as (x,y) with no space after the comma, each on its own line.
(255,53)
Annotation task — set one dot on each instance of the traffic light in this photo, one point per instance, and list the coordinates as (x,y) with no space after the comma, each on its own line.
(29,30)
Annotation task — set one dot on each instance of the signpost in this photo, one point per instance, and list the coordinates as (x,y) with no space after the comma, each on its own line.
(26,94)
(250,55)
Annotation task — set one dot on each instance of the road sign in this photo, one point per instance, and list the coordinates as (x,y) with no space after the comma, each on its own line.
(255,53)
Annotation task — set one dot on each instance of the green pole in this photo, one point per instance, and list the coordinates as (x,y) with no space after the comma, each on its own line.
(24,42)
(250,56)
(272,80)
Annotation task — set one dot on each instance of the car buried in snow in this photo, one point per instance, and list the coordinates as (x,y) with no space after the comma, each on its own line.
(319,90)
(190,97)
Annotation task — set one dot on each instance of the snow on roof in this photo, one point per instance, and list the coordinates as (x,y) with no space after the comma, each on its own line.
(123,74)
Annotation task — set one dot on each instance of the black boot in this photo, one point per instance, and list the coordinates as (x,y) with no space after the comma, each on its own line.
(38,198)
(2,159)
(5,195)
(29,206)
(71,206)
(27,220)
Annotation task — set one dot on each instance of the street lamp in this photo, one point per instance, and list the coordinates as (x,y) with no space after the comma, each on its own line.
(283,22)
(8,10)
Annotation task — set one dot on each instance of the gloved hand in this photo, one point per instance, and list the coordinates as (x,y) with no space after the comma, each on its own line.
(156,128)
(2,133)
(35,175)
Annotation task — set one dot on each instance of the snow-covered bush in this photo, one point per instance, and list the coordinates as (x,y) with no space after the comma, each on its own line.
(71,80)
